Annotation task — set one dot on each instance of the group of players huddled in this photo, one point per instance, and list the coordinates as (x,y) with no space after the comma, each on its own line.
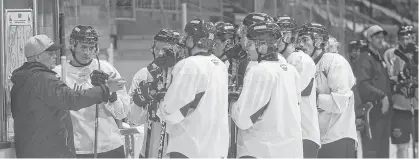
(264,89)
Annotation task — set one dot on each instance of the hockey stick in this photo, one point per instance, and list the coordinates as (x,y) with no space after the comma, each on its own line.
(413,128)
(149,115)
(63,68)
(232,152)
(96,120)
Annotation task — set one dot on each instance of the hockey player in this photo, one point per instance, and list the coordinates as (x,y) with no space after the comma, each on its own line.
(307,69)
(267,112)
(404,97)
(335,102)
(248,46)
(195,105)
(164,49)
(224,39)
(83,47)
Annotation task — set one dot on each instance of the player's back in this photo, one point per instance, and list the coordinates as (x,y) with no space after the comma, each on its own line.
(280,124)
(206,127)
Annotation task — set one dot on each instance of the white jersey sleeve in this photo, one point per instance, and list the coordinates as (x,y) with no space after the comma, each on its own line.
(121,107)
(137,114)
(249,106)
(187,84)
(340,81)
(306,68)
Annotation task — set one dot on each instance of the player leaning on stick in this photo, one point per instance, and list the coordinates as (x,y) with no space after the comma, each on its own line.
(195,105)
(307,69)
(267,112)
(84,47)
(335,99)
(143,89)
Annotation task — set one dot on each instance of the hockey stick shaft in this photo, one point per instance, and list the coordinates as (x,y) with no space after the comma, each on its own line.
(63,68)
(96,120)
(233,129)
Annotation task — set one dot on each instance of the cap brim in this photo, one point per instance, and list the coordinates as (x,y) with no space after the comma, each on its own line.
(54,47)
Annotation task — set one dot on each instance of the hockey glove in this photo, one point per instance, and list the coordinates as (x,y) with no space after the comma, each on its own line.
(142,95)
(98,77)
(160,94)
(237,52)
(113,97)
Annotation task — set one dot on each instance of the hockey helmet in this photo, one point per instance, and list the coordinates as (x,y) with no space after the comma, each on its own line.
(263,31)
(315,31)
(84,34)
(167,36)
(405,30)
(287,26)
(286,23)
(254,18)
(224,31)
(201,32)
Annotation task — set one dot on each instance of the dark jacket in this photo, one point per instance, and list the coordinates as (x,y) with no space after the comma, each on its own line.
(373,78)
(40,109)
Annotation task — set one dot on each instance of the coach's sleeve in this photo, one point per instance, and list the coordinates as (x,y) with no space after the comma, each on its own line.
(254,98)
(184,93)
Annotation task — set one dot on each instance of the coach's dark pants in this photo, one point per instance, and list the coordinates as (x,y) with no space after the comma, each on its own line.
(342,148)
(378,146)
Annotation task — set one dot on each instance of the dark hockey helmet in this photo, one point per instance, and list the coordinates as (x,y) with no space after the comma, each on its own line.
(356,44)
(224,31)
(287,26)
(405,30)
(263,31)
(254,18)
(201,32)
(316,31)
(167,36)
(286,23)
(84,34)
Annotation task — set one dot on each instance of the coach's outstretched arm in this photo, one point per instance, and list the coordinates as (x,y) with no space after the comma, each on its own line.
(340,80)
(254,98)
(183,96)
(58,94)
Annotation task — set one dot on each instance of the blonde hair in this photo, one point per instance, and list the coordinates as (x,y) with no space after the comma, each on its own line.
(332,45)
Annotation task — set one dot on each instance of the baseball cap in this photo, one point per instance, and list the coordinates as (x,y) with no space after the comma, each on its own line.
(373,30)
(40,43)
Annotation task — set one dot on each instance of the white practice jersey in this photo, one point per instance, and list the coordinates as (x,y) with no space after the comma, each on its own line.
(309,116)
(195,108)
(138,115)
(267,112)
(334,80)
(109,137)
